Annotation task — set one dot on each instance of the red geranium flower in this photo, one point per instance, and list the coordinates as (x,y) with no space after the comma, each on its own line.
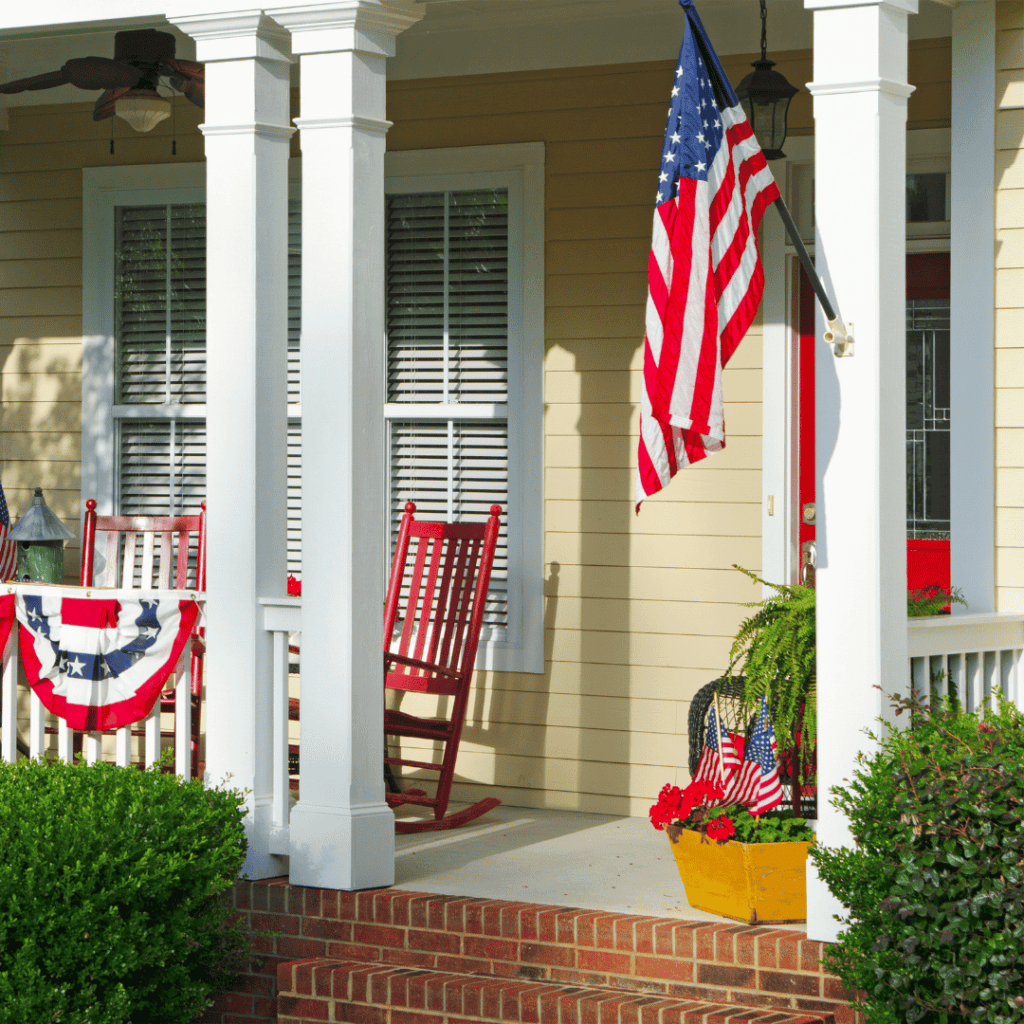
(294,587)
(721,829)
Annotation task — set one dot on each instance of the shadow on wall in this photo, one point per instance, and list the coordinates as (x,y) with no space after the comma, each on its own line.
(606,431)
(499,701)
(40,433)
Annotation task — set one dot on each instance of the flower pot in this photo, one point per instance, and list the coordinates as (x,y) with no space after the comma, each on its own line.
(756,883)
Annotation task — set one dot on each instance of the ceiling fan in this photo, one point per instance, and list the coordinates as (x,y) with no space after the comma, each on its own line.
(141,58)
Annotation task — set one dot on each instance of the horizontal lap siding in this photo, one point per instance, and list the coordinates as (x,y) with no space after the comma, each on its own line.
(640,610)
(1009,313)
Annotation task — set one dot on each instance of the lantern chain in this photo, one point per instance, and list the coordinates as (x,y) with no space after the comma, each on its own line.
(764,30)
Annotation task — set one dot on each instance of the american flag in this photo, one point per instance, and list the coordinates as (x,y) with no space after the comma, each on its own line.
(704,272)
(759,788)
(8,548)
(719,763)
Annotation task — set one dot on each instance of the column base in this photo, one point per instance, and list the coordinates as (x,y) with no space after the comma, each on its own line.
(263,858)
(342,848)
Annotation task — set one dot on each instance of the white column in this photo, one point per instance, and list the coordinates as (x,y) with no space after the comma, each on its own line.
(972,300)
(860,112)
(247,133)
(342,832)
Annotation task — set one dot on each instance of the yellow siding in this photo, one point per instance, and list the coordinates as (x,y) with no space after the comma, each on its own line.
(1009,314)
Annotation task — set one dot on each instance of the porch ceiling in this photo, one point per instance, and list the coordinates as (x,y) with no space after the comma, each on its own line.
(456,37)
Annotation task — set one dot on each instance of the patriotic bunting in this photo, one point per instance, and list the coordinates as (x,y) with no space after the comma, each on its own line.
(100,664)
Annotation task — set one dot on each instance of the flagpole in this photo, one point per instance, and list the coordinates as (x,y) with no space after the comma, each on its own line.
(837,334)
(718,741)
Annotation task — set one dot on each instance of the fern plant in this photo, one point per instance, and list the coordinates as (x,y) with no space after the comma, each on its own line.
(776,646)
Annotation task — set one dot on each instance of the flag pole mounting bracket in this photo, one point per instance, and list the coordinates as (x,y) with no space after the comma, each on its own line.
(840,337)
(837,334)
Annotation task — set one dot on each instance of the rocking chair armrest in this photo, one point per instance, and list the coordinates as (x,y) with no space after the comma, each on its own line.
(427,666)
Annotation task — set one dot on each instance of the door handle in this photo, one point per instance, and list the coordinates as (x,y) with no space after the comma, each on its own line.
(808,562)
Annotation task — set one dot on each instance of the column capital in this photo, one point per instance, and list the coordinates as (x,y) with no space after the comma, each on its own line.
(369,26)
(906,6)
(239,35)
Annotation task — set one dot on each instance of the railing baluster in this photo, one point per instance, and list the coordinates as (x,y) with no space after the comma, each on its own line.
(183,715)
(9,698)
(93,747)
(279,817)
(36,726)
(64,738)
(123,746)
(152,738)
(977,661)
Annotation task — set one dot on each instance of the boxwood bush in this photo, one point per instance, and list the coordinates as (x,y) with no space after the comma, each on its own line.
(935,885)
(111,883)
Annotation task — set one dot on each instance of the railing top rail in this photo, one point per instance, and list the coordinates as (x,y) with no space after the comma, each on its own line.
(968,619)
(965,634)
(66,590)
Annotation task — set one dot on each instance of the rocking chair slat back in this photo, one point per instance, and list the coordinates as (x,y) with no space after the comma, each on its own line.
(121,551)
(445,591)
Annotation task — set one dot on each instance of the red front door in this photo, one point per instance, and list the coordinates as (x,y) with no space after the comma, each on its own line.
(927,440)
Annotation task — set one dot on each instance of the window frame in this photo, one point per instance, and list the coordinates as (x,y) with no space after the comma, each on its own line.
(103,190)
(519,169)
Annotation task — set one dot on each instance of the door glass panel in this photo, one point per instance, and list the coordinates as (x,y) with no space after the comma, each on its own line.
(928,419)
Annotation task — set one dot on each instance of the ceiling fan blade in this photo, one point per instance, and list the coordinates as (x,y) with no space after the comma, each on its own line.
(105,104)
(188,69)
(100,73)
(48,81)
(195,92)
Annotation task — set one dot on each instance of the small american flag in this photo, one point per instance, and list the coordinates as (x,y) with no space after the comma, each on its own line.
(8,548)
(719,763)
(704,272)
(759,788)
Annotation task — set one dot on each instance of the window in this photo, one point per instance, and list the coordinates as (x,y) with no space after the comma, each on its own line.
(159,308)
(463,405)
(465,347)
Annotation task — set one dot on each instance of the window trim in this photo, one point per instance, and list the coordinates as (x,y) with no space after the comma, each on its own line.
(520,169)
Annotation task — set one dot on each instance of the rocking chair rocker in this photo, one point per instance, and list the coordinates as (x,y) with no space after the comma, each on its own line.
(443,596)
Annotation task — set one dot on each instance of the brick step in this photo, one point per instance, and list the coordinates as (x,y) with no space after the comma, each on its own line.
(324,989)
(697,961)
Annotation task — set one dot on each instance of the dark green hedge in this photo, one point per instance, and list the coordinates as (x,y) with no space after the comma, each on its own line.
(935,887)
(110,894)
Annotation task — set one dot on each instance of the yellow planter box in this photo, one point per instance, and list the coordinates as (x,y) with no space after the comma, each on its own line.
(756,883)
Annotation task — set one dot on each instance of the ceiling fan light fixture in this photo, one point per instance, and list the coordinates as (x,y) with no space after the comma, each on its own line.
(143,109)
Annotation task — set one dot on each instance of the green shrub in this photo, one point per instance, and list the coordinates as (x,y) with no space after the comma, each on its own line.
(935,885)
(111,883)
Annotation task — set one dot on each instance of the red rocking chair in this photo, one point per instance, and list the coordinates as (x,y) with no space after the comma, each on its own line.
(162,546)
(441,581)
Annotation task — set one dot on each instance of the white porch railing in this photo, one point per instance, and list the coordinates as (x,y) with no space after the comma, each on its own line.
(282,616)
(972,656)
(92,745)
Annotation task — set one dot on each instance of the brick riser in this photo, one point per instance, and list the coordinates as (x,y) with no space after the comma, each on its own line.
(720,964)
(319,990)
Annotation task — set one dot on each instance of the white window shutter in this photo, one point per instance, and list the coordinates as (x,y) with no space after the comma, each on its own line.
(447,360)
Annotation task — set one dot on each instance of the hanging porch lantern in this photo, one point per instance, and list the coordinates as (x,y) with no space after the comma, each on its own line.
(764,95)
(40,536)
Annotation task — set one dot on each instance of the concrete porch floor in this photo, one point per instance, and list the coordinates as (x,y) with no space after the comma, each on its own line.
(560,858)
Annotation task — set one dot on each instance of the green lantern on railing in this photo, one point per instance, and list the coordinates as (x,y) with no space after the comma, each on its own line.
(40,536)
